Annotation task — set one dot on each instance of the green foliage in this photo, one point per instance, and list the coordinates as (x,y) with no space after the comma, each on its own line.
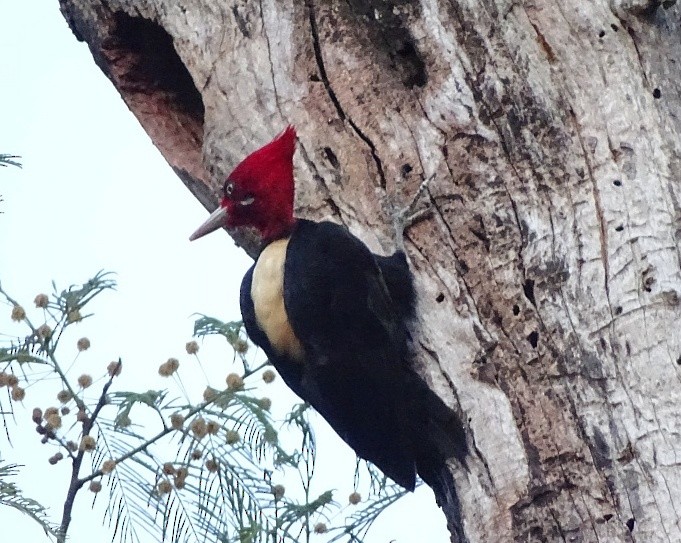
(8,160)
(179,469)
(11,496)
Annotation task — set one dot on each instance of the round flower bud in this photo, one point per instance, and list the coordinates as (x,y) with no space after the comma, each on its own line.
(192,347)
(18,394)
(12,380)
(241,346)
(196,454)
(355,498)
(265,403)
(198,427)
(180,477)
(232,437)
(164,487)
(95,486)
(108,466)
(4,379)
(18,313)
(168,468)
(320,528)
(74,316)
(268,376)
(55,458)
(209,394)
(64,396)
(37,415)
(71,446)
(114,368)
(81,416)
(88,444)
(234,382)
(278,492)
(85,380)
(169,367)
(64,410)
(53,422)
(212,427)
(41,300)
(212,465)
(49,412)
(177,421)
(44,331)
(83,344)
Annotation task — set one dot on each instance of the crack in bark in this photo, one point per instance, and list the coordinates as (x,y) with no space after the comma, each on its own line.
(600,215)
(269,58)
(317,47)
(320,178)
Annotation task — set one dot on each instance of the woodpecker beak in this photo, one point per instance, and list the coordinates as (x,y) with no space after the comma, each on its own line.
(216,220)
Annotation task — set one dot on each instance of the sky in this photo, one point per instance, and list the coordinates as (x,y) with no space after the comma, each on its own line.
(95,194)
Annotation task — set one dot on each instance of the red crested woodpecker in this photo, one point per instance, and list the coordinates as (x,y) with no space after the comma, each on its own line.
(333,319)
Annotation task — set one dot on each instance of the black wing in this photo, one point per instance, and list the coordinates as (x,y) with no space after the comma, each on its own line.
(354,336)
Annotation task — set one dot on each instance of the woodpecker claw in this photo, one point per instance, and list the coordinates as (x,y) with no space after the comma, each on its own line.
(409,215)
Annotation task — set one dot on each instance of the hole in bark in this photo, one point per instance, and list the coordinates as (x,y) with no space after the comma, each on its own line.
(630,524)
(657,93)
(678,360)
(528,289)
(601,34)
(617,183)
(619,228)
(440,298)
(388,29)
(516,310)
(406,169)
(159,90)
(464,267)
(331,157)
(614,27)
(607,517)
(618,310)
(533,338)
(417,69)
(314,78)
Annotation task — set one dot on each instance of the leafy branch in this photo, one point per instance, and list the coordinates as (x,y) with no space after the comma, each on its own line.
(207,468)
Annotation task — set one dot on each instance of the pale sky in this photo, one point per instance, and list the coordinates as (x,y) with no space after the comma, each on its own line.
(94,193)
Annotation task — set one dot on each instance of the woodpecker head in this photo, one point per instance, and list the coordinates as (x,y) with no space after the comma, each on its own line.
(259,192)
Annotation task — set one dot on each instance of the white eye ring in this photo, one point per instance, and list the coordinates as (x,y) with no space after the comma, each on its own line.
(229,188)
(247,201)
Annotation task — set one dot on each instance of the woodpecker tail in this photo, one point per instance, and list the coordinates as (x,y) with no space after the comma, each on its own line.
(440,437)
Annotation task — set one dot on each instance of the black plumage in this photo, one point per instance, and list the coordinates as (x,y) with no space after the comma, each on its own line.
(350,308)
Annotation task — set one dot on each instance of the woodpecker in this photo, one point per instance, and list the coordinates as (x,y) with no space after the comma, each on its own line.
(333,319)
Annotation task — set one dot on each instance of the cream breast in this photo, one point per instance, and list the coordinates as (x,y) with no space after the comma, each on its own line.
(267,292)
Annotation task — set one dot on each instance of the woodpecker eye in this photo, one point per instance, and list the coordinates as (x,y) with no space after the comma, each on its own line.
(228,189)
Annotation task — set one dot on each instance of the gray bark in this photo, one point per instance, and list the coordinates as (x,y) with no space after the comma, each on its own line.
(549,272)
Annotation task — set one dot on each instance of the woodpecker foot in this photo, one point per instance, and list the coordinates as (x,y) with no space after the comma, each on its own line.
(409,215)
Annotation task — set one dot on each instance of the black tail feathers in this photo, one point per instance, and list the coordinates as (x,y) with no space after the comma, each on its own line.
(440,437)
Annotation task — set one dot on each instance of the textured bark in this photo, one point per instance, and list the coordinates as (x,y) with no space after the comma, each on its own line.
(549,273)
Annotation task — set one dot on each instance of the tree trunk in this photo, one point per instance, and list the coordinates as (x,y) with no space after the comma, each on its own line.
(549,271)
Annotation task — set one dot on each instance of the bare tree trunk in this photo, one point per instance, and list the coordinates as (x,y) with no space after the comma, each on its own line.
(549,274)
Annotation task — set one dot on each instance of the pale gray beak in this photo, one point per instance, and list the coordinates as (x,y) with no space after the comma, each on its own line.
(216,220)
